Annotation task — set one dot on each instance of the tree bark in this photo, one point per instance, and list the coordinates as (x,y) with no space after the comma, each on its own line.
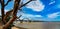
(15,9)
(9,12)
(14,15)
(2,10)
(6,16)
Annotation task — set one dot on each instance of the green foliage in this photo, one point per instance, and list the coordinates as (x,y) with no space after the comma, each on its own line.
(8,19)
(10,24)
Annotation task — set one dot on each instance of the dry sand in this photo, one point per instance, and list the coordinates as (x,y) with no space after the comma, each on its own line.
(40,25)
(37,25)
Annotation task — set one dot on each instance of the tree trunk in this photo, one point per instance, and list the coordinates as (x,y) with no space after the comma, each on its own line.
(6,16)
(16,5)
(2,10)
(9,23)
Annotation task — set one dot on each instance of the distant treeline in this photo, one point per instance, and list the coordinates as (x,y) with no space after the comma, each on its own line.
(36,21)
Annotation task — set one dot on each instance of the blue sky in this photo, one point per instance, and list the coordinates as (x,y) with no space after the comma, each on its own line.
(44,10)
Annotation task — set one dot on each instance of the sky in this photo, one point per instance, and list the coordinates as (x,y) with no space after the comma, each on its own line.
(43,10)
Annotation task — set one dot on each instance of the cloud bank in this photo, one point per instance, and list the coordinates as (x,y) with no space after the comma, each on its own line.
(30,16)
(54,15)
(35,5)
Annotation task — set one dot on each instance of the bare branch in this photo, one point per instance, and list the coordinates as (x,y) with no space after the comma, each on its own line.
(7,2)
(25,4)
(0,1)
(14,14)
(6,16)
(9,12)
(2,9)
(19,17)
(21,6)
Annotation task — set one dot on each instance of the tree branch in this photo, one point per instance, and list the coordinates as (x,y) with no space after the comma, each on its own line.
(25,4)
(2,9)
(14,14)
(7,2)
(21,6)
(0,1)
(19,17)
(9,12)
(6,16)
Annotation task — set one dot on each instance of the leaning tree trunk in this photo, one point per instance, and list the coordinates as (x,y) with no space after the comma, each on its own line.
(2,9)
(16,5)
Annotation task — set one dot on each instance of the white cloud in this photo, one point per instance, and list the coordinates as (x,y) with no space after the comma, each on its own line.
(36,5)
(54,15)
(24,1)
(52,2)
(30,16)
(5,11)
